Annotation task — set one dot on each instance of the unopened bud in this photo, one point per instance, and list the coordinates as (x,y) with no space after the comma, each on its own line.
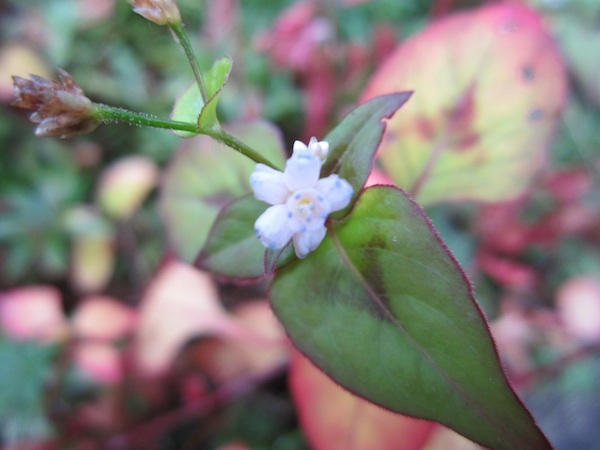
(161,12)
(60,107)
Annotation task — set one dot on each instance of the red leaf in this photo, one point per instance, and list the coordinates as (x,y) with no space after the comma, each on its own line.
(334,419)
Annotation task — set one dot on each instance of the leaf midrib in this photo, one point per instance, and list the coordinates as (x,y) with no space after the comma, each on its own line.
(432,362)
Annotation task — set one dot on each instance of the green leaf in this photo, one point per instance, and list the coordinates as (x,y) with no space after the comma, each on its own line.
(204,176)
(214,82)
(489,88)
(353,143)
(383,308)
(190,108)
(278,258)
(232,248)
(187,108)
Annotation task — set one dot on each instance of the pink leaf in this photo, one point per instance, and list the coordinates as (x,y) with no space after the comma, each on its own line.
(180,303)
(578,302)
(257,347)
(33,313)
(103,318)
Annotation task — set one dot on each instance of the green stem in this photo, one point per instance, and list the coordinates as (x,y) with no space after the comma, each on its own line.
(184,41)
(107,113)
(224,137)
(113,114)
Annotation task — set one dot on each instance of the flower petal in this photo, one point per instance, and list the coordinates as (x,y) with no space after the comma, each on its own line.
(301,171)
(314,148)
(306,242)
(300,147)
(318,148)
(268,185)
(324,147)
(336,190)
(274,228)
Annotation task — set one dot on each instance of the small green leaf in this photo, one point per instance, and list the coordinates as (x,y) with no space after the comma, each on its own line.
(204,176)
(232,248)
(383,308)
(214,81)
(187,109)
(353,143)
(190,108)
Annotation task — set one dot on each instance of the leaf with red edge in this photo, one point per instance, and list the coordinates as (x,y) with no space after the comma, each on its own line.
(353,143)
(334,419)
(489,87)
(383,308)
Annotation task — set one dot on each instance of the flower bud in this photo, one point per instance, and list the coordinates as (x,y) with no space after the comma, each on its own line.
(61,108)
(161,12)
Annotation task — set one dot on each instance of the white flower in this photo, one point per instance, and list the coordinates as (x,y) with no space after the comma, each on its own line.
(301,201)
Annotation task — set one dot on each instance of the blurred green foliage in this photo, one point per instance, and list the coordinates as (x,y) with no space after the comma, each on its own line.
(26,369)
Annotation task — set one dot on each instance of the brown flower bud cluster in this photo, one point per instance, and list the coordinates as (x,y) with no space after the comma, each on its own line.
(161,12)
(60,107)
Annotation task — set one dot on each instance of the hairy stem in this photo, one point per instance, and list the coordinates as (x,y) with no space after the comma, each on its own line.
(112,114)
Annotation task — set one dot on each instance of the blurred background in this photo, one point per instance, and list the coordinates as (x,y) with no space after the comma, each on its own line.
(110,338)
